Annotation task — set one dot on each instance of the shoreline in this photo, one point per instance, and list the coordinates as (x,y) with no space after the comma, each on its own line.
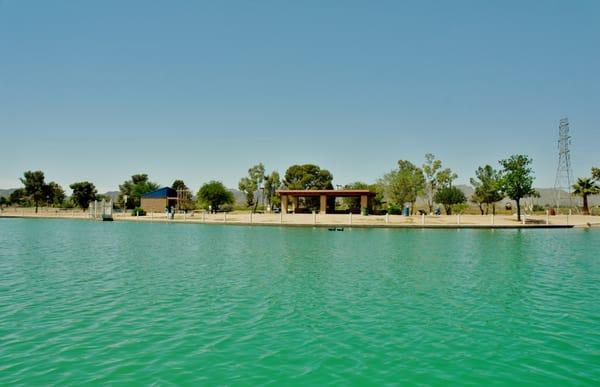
(338,220)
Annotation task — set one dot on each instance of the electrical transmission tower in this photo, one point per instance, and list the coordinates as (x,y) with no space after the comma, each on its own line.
(564,173)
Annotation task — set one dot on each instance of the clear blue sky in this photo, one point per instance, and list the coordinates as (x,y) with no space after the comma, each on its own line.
(100,90)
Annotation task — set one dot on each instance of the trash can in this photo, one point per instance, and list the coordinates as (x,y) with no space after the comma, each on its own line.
(405,211)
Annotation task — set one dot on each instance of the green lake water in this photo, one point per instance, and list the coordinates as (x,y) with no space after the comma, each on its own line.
(168,304)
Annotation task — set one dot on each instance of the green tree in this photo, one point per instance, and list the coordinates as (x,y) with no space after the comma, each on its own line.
(596,173)
(435,177)
(251,184)
(101,197)
(517,179)
(585,187)
(179,184)
(248,187)
(449,197)
(487,184)
(19,197)
(378,199)
(404,185)
(83,194)
(55,194)
(3,202)
(479,200)
(35,187)
(308,177)
(257,175)
(135,188)
(184,195)
(214,194)
(272,184)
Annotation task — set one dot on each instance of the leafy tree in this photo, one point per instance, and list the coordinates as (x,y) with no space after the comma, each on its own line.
(183,194)
(585,187)
(101,197)
(3,202)
(248,187)
(479,200)
(449,197)
(404,185)
(460,208)
(517,179)
(272,184)
(487,186)
(250,184)
(596,173)
(309,177)
(214,194)
(378,199)
(179,184)
(35,187)
(435,177)
(18,197)
(257,175)
(54,193)
(135,188)
(83,194)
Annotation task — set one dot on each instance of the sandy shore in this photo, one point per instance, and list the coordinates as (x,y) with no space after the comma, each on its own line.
(338,220)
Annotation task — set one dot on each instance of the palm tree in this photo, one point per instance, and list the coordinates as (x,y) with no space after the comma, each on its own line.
(584,187)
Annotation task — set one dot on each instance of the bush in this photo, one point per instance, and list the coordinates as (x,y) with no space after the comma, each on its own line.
(460,208)
(138,211)
(449,196)
(394,210)
(538,208)
(67,204)
(226,207)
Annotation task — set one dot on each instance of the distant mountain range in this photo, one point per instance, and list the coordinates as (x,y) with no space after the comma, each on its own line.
(6,192)
(546,196)
(114,195)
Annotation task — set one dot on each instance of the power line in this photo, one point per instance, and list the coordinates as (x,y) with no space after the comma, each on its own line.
(564,173)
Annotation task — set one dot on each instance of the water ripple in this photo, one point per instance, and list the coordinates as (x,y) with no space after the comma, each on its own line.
(162,304)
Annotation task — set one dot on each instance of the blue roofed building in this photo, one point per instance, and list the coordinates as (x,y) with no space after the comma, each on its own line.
(159,200)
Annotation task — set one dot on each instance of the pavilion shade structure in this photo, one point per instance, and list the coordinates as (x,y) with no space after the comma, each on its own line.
(159,200)
(293,196)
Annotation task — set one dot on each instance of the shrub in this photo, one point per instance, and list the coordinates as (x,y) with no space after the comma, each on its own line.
(460,208)
(449,196)
(394,210)
(226,207)
(139,211)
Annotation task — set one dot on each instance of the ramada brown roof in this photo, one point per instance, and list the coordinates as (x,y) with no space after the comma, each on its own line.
(326,192)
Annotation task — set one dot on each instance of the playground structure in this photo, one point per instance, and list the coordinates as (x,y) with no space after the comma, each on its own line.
(102,210)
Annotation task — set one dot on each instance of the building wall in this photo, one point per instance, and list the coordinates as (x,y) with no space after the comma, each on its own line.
(154,204)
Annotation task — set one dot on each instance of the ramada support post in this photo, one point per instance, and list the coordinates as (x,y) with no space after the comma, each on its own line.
(284,204)
(364,202)
(323,207)
(295,204)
